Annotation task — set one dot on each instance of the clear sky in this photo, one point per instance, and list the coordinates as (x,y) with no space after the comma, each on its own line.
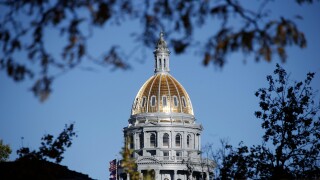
(99,102)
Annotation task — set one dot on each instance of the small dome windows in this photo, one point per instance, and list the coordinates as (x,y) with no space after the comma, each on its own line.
(143,103)
(153,101)
(136,103)
(184,102)
(164,101)
(175,101)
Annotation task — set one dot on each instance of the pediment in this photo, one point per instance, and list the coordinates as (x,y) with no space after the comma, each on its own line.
(147,160)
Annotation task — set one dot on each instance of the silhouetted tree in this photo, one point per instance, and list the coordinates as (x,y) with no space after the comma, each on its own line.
(290,146)
(289,114)
(50,148)
(25,23)
(5,151)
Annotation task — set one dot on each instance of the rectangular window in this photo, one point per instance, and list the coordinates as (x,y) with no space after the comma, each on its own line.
(152,152)
(179,155)
(141,140)
(164,101)
(131,141)
(152,140)
(165,155)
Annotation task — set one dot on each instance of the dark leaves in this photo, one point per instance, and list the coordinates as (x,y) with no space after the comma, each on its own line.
(257,33)
(179,46)
(50,148)
(42,88)
(17,71)
(113,58)
(102,15)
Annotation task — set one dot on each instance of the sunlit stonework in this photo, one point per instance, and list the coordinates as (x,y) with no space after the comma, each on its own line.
(162,130)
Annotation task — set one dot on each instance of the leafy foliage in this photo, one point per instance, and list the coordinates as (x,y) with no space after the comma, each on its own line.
(50,148)
(26,24)
(5,151)
(290,146)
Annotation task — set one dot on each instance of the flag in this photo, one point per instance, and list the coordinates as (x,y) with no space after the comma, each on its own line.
(113,176)
(113,165)
(113,169)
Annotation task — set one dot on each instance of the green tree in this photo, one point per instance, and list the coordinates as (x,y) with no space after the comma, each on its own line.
(24,26)
(50,148)
(5,151)
(290,146)
(128,163)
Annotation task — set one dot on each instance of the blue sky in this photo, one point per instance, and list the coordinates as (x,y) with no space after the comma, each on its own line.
(99,102)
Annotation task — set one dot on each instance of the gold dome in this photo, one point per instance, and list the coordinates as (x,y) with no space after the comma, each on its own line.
(162,93)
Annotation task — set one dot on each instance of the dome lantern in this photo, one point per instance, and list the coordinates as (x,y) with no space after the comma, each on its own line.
(161,55)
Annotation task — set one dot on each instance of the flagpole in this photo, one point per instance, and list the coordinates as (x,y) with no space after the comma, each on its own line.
(116,167)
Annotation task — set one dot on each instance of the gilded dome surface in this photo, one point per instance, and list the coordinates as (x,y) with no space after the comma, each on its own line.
(162,93)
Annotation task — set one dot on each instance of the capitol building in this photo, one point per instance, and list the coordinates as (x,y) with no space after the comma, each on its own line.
(163,133)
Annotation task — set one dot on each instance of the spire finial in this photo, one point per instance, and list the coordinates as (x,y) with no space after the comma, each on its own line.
(161,35)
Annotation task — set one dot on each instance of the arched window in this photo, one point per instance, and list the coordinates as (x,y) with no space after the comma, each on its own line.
(166,140)
(152,140)
(189,141)
(178,140)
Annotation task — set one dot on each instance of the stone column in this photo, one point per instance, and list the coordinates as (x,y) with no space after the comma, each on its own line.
(144,142)
(156,174)
(183,140)
(170,144)
(174,175)
(159,134)
(199,142)
(135,144)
